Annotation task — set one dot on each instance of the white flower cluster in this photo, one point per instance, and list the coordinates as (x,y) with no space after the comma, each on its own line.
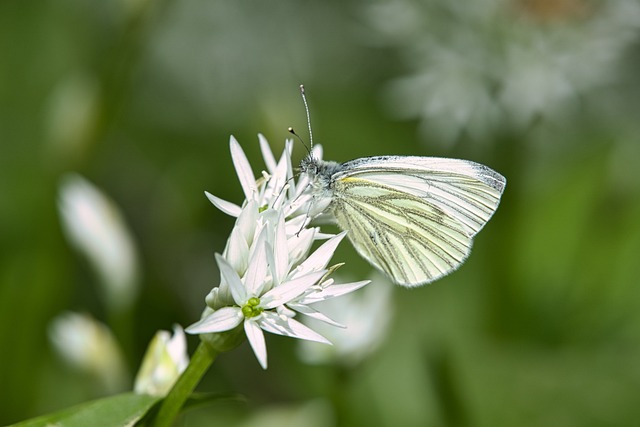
(267,273)
(478,66)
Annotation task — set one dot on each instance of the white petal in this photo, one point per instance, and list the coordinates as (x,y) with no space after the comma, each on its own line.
(300,244)
(256,340)
(90,346)
(238,291)
(295,224)
(299,205)
(221,320)
(94,224)
(280,252)
(267,154)
(237,251)
(243,169)
(288,149)
(316,151)
(229,208)
(177,348)
(165,359)
(319,259)
(331,292)
(289,290)
(254,280)
(282,325)
(323,236)
(283,310)
(315,314)
(278,181)
(247,220)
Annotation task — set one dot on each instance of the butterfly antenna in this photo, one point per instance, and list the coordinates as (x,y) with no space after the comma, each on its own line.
(306,108)
(293,132)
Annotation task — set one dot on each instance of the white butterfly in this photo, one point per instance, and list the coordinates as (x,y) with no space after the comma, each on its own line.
(414,218)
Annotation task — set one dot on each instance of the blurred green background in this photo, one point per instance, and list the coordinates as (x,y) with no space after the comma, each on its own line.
(541,326)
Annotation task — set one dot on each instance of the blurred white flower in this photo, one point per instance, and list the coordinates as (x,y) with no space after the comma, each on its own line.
(166,358)
(267,274)
(95,226)
(366,317)
(89,346)
(314,413)
(477,67)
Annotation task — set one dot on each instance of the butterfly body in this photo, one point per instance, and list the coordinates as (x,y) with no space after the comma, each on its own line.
(412,217)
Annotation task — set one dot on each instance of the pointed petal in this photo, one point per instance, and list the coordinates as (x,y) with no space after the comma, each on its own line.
(256,340)
(280,252)
(255,278)
(323,236)
(229,208)
(315,314)
(282,325)
(243,169)
(288,149)
(267,154)
(237,251)
(316,151)
(247,221)
(238,291)
(331,292)
(220,320)
(319,259)
(289,290)
(278,181)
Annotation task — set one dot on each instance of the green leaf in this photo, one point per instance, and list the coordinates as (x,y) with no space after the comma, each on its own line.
(120,410)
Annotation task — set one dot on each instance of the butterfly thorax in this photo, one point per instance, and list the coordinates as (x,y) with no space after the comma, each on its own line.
(320,175)
(320,172)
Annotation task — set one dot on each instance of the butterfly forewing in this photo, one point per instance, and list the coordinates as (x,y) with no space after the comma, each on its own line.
(466,191)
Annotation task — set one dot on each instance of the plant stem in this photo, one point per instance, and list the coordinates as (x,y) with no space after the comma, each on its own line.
(171,405)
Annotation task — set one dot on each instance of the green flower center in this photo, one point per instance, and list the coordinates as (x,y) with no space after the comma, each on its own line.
(251,309)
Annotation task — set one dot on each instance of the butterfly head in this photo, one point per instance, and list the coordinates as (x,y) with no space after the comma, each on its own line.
(320,172)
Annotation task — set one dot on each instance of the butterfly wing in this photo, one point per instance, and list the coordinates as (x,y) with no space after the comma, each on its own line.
(467,191)
(414,217)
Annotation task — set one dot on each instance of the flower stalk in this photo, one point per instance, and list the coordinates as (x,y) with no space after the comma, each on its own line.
(187,382)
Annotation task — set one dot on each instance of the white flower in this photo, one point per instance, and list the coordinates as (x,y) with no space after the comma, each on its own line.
(166,358)
(89,346)
(475,67)
(95,226)
(267,274)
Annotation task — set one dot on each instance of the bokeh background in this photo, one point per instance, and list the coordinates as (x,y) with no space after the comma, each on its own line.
(541,326)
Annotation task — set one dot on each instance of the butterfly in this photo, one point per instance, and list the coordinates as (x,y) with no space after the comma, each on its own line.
(413,218)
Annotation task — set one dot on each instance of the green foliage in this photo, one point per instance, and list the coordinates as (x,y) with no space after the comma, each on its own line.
(115,411)
(539,327)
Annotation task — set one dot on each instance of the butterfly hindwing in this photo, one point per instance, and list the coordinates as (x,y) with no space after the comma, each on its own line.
(412,240)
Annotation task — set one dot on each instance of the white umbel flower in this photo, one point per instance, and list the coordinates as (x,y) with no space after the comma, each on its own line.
(89,346)
(266,273)
(96,227)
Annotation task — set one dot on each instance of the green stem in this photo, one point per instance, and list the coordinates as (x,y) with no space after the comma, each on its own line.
(171,405)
